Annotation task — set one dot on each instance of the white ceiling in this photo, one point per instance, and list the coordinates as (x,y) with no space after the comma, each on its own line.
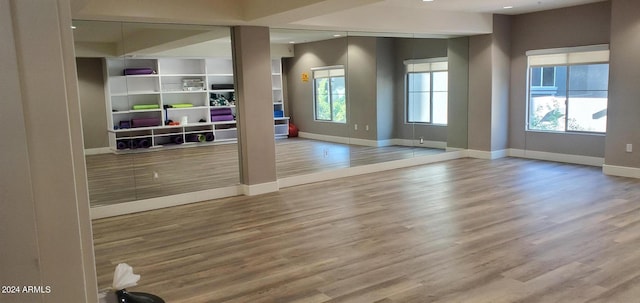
(485,6)
(290,20)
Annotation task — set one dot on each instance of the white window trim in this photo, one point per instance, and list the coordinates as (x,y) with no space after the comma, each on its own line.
(566,56)
(430,65)
(313,74)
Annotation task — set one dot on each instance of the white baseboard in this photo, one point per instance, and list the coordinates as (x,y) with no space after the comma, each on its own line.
(163,202)
(487,155)
(97,151)
(621,171)
(374,143)
(416,143)
(327,138)
(450,149)
(259,189)
(367,169)
(556,157)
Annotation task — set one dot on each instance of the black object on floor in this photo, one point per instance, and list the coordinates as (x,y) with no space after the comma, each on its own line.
(137,297)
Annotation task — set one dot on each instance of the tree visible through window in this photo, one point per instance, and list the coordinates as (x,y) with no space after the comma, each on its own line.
(329,94)
(568,92)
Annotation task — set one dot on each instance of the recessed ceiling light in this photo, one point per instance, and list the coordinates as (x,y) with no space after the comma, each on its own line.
(337,35)
(73,27)
(508,7)
(292,42)
(427,0)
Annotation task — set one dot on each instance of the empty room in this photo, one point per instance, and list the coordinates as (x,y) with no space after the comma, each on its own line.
(320,151)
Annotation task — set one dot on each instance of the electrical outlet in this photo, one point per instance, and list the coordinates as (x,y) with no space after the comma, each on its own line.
(155,175)
(421,140)
(629,148)
(355,126)
(366,127)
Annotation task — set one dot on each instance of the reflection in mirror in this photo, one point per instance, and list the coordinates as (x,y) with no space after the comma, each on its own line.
(390,100)
(158,109)
(426,91)
(316,98)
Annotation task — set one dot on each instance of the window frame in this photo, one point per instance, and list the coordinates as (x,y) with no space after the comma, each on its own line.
(575,51)
(424,66)
(328,69)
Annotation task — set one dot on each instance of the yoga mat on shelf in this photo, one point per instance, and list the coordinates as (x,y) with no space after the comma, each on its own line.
(145,122)
(181,105)
(221,118)
(196,138)
(221,111)
(222,86)
(133,144)
(177,139)
(146,106)
(138,71)
(144,143)
(121,144)
(209,137)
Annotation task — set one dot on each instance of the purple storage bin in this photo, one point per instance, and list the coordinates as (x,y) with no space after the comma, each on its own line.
(221,111)
(145,122)
(138,71)
(221,118)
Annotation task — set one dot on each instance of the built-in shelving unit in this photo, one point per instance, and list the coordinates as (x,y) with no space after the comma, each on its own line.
(183,102)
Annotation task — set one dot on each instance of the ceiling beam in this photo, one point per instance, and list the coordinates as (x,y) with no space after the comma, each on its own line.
(267,12)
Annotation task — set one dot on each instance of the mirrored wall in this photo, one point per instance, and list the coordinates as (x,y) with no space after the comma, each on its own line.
(151,92)
(365,98)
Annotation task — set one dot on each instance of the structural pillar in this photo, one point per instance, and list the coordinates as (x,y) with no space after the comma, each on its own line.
(254,108)
(45,229)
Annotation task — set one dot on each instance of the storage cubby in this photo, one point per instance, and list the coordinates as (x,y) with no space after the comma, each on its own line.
(199,91)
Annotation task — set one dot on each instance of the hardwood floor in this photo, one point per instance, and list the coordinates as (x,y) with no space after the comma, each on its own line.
(128,177)
(467,230)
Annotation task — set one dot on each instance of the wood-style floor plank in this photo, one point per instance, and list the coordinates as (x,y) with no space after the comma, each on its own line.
(117,178)
(466,230)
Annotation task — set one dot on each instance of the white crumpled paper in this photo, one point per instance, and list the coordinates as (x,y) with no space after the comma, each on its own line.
(124,277)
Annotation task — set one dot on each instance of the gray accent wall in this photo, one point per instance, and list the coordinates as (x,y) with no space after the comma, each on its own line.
(410,48)
(91,85)
(300,94)
(567,27)
(480,92)
(385,88)
(623,123)
(457,127)
(489,87)
(501,61)
(375,86)
(361,87)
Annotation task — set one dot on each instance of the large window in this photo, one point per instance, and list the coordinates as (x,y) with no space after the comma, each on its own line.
(568,89)
(427,84)
(329,94)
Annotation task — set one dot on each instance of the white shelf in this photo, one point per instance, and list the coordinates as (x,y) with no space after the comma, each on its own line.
(120,112)
(139,76)
(135,93)
(184,91)
(165,88)
(189,108)
(223,122)
(281,118)
(182,75)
